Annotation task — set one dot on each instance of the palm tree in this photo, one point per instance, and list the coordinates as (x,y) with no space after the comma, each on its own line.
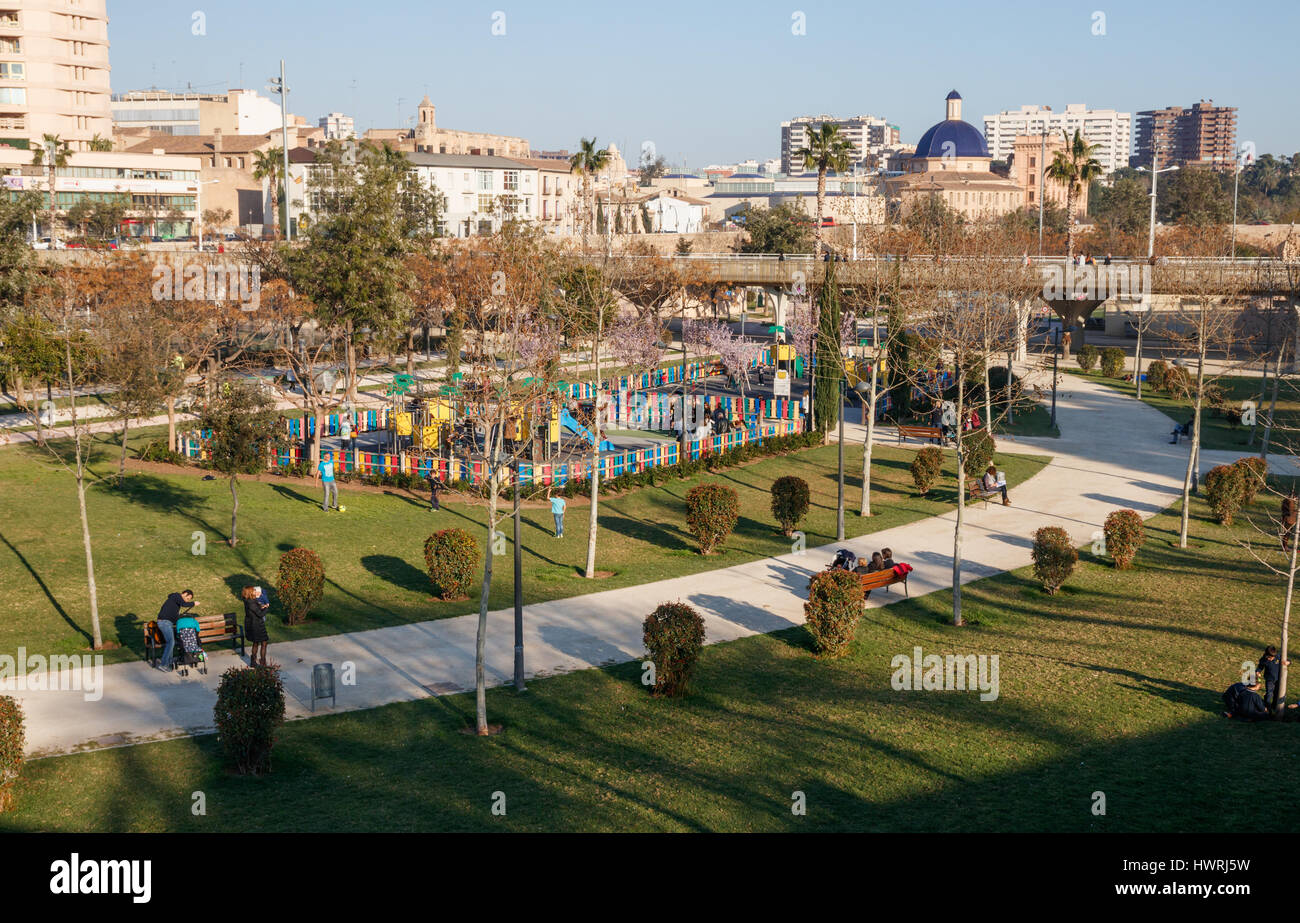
(826,149)
(100,143)
(588,162)
(1075,168)
(267,165)
(52,154)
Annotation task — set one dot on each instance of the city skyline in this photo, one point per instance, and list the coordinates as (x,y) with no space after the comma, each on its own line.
(543,75)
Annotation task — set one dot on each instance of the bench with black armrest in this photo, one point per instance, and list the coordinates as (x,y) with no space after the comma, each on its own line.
(975,490)
(212,628)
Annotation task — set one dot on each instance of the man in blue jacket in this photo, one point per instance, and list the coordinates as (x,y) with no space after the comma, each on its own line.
(1270,667)
(167,616)
(1243,701)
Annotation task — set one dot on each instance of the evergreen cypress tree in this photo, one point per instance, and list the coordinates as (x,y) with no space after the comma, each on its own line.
(830,362)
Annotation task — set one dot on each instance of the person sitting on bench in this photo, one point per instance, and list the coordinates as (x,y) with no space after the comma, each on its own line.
(992,482)
(888,559)
(1182,429)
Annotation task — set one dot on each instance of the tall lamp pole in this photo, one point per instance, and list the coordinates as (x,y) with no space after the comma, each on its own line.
(1056,351)
(519,595)
(279,86)
(1155,176)
(839,504)
(1238,163)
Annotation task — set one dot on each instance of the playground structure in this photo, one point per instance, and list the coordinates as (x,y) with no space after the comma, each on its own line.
(423,428)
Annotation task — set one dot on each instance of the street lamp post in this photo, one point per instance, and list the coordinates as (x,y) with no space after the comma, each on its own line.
(278,86)
(1238,163)
(1056,351)
(519,595)
(839,504)
(1155,175)
(198,205)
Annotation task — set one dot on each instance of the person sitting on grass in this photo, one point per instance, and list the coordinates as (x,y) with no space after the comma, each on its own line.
(1242,700)
(991,483)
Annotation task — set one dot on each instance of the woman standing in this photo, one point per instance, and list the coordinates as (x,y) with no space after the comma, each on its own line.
(255,625)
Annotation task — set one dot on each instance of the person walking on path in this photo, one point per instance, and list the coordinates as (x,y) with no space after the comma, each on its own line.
(557,510)
(167,617)
(326,471)
(255,625)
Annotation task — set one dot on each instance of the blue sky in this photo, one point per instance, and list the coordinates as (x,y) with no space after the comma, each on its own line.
(711,82)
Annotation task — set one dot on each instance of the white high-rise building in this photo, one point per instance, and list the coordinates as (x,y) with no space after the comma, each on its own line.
(866,133)
(1109,131)
(338,127)
(54,71)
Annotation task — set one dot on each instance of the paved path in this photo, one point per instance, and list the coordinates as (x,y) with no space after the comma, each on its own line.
(1115,453)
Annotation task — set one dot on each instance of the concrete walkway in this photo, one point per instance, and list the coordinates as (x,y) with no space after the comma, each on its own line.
(1115,454)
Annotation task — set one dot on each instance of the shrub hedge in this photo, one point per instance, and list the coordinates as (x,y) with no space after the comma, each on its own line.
(926,467)
(1124,536)
(249,709)
(1225,491)
(833,610)
(1054,557)
(451,557)
(674,637)
(301,583)
(790,501)
(12,740)
(711,513)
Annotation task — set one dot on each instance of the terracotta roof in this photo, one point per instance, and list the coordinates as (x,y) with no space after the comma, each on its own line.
(203,144)
(543,163)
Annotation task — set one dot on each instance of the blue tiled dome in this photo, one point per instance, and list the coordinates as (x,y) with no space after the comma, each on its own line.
(954,138)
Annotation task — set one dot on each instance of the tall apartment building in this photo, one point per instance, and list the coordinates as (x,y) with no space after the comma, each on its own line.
(160,112)
(54,71)
(866,133)
(1109,132)
(1204,135)
(337,126)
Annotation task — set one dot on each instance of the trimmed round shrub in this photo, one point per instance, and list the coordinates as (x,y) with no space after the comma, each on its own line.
(1112,362)
(674,636)
(926,467)
(12,739)
(789,501)
(1054,557)
(301,583)
(1124,536)
(249,709)
(451,557)
(1156,373)
(1254,472)
(711,513)
(1225,491)
(833,610)
(978,450)
(1178,382)
(1087,357)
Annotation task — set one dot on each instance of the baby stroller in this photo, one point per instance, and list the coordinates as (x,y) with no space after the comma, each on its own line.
(843,560)
(189,649)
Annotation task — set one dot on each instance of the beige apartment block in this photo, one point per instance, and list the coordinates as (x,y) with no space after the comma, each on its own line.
(54,73)
(1031,156)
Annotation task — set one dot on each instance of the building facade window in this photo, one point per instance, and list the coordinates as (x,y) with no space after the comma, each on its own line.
(12,70)
(15,96)
(484,180)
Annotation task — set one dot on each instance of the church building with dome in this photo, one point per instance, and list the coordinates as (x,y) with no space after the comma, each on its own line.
(952,162)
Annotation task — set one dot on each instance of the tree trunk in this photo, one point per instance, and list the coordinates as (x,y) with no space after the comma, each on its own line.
(121,462)
(480,643)
(97,639)
(1184,516)
(1272,406)
(1069,219)
(1286,621)
(350,354)
(410,351)
(234,512)
(868,441)
(171,425)
(821,204)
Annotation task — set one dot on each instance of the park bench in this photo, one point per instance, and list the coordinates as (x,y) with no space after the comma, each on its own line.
(919,432)
(212,628)
(975,490)
(881,578)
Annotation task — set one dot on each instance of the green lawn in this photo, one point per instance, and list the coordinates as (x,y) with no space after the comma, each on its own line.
(1216,431)
(1112,686)
(1031,419)
(373,554)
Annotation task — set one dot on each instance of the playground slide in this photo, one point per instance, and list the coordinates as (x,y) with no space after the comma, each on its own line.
(573,426)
